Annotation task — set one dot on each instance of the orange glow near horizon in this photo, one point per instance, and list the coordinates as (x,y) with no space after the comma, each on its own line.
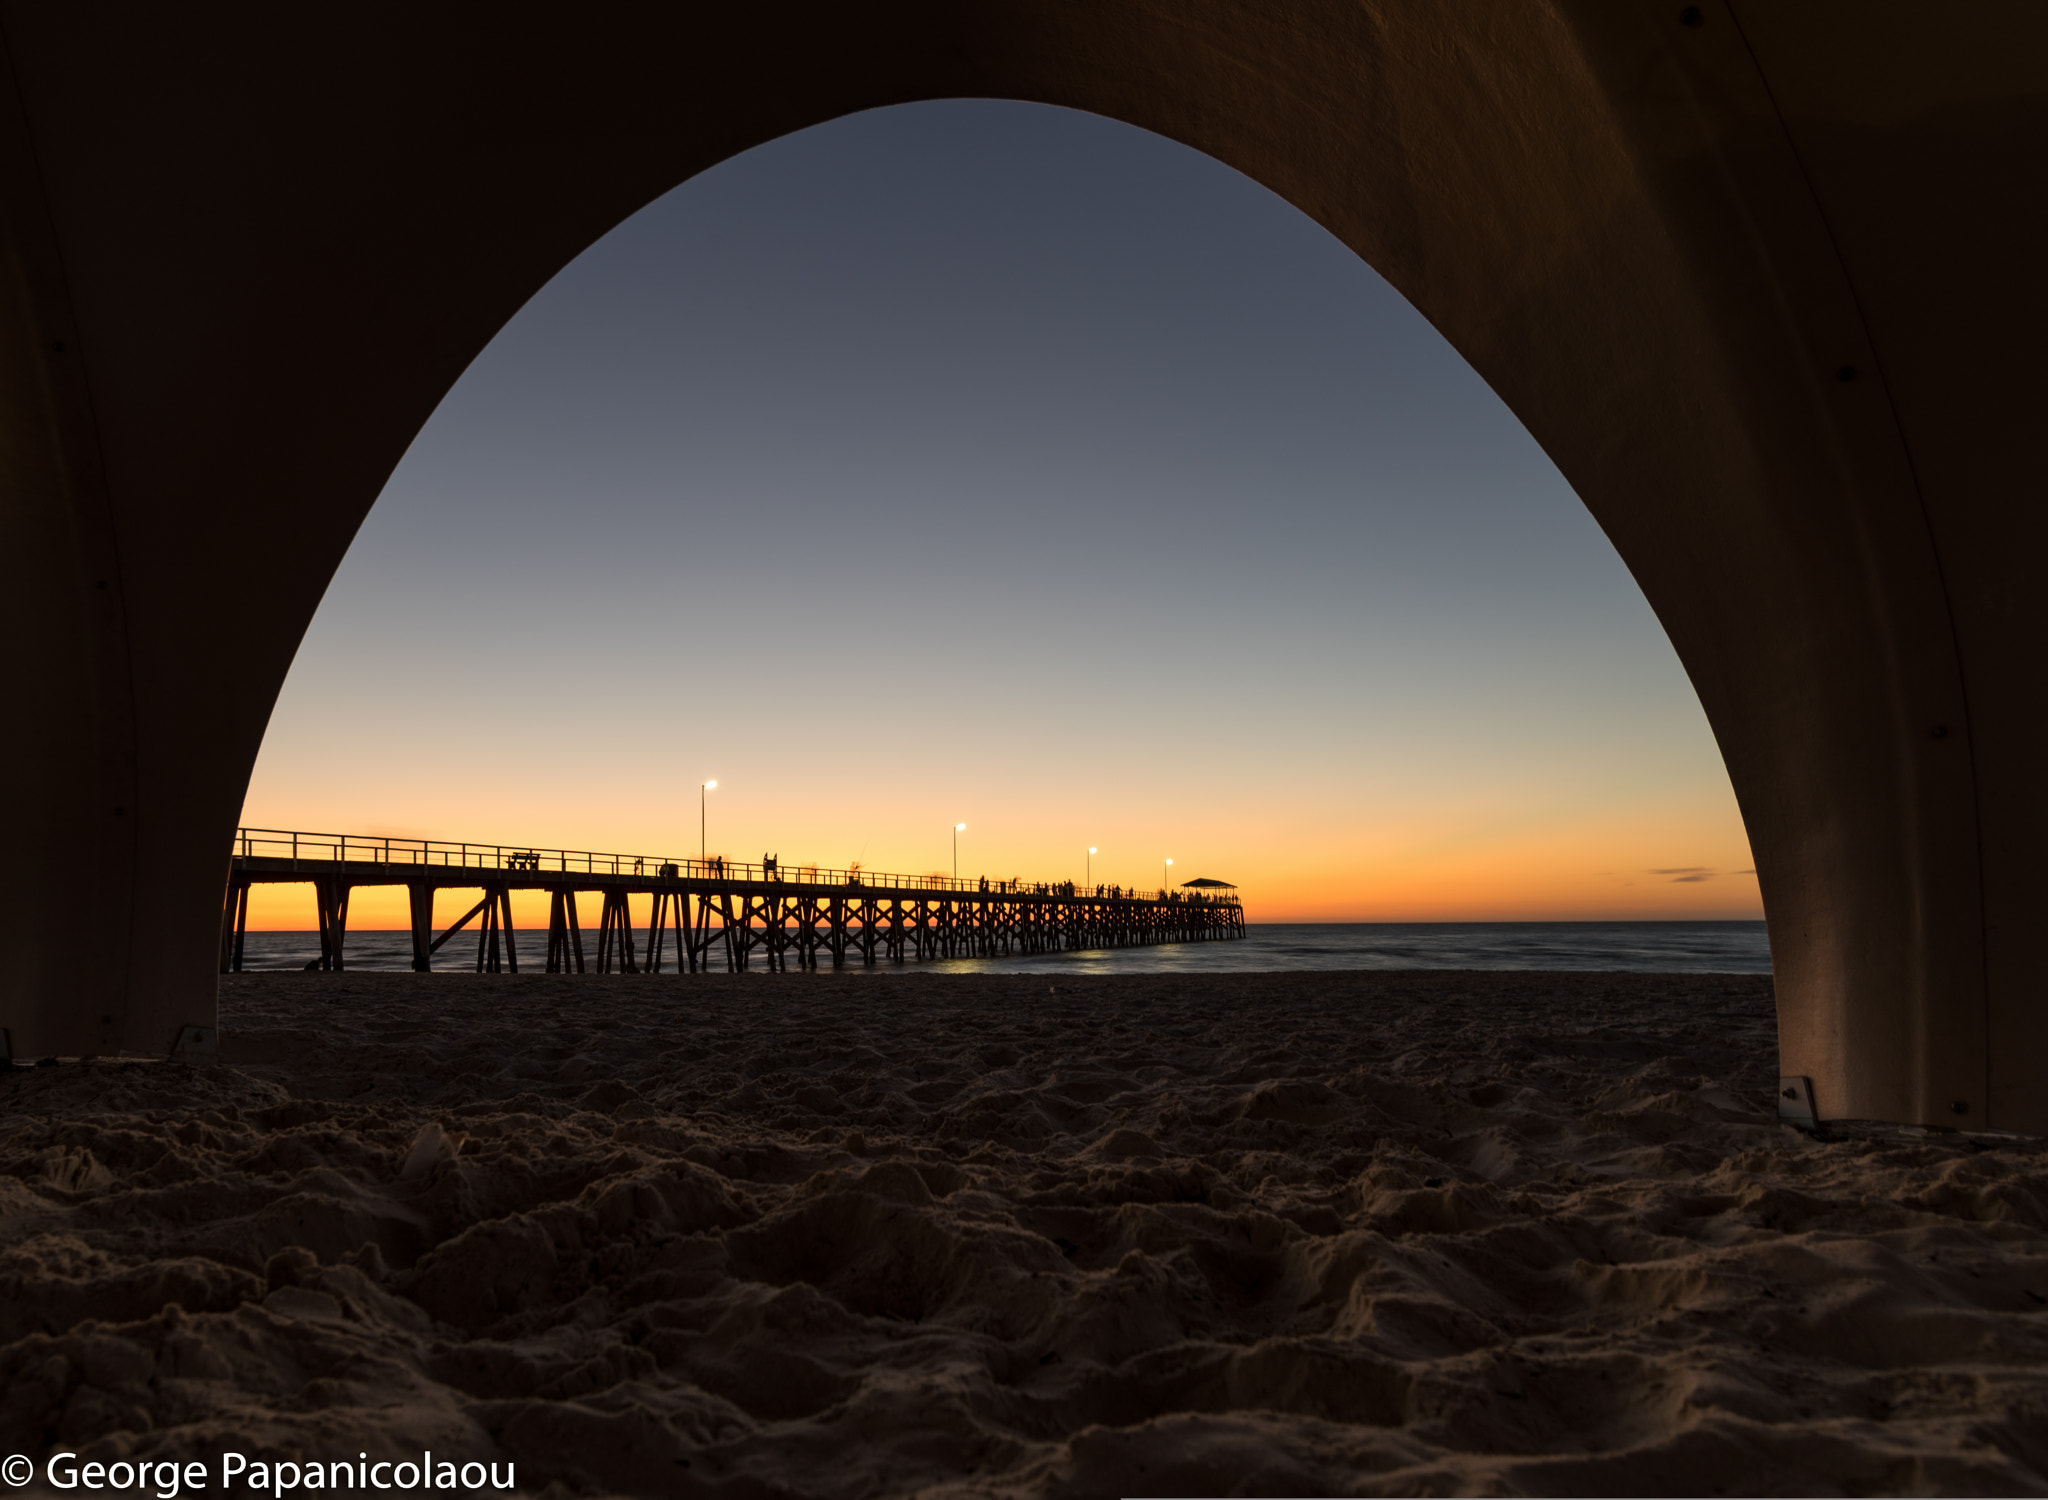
(1440,863)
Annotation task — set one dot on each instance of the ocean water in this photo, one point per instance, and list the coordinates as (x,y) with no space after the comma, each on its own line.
(1650,947)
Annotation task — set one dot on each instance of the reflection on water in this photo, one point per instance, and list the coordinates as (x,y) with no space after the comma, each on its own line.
(1655,947)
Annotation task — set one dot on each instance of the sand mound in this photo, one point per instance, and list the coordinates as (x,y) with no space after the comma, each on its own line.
(812,1235)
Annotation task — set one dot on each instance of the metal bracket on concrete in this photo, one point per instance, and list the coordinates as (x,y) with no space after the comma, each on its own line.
(196,1044)
(1795,1103)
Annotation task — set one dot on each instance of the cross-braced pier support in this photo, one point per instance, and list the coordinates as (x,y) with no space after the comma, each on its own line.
(497,922)
(565,938)
(615,936)
(753,914)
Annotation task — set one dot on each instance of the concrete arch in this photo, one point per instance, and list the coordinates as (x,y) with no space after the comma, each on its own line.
(1758,278)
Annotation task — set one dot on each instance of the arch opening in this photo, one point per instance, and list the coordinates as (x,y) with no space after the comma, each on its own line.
(1016,459)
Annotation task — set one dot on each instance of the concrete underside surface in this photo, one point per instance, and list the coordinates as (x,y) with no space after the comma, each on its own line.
(1761,279)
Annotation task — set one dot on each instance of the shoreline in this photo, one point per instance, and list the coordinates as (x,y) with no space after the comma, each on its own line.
(1277,948)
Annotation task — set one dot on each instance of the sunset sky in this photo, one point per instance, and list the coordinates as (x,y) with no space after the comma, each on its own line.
(988,463)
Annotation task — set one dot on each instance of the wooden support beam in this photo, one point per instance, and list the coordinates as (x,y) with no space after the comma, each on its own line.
(487,935)
(330,900)
(227,927)
(615,935)
(511,946)
(657,931)
(565,937)
(420,897)
(732,909)
(234,927)
(341,892)
(320,917)
(558,933)
(671,907)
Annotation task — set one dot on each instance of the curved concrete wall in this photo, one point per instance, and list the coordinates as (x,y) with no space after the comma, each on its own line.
(1757,278)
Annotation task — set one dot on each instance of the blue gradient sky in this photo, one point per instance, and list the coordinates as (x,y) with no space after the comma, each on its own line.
(988,462)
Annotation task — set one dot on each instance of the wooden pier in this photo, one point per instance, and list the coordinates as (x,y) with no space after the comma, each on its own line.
(708,913)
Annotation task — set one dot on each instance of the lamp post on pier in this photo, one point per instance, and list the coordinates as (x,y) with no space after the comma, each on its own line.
(1162,879)
(1091,866)
(958,829)
(703,819)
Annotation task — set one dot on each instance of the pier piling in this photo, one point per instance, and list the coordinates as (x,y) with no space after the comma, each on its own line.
(765,915)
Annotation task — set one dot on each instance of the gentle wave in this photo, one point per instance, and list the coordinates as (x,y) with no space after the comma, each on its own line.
(1645,947)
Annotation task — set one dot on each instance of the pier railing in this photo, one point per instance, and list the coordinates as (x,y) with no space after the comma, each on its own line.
(353,848)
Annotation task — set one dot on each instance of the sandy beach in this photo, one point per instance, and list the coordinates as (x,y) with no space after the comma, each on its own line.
(817,1235)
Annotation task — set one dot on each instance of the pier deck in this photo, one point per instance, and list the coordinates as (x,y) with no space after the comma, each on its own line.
(711,912)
